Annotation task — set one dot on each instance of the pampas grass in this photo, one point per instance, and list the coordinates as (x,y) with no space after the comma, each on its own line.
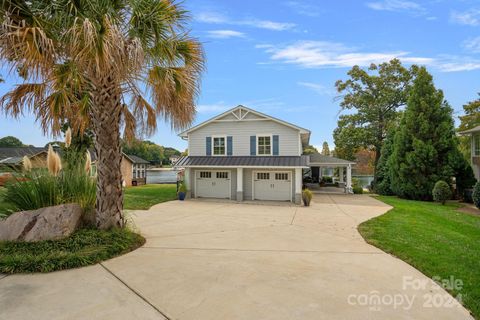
(54,163)
(68,137)
(88,163)
(27,164)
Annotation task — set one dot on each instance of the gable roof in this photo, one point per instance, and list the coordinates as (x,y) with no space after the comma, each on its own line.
(14,155)
(473,130)
(303,131)
(135,159)
(10,152)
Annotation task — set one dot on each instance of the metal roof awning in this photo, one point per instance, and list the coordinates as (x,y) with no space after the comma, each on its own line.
(243,161)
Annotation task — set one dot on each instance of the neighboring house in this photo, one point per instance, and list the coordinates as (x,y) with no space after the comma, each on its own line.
(133,168)
(12,157)
(174,159)
(474,133)
(243,154)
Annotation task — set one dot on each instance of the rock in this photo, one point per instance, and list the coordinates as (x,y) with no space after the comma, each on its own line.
(48,223)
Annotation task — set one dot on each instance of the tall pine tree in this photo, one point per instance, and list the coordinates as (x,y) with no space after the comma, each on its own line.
(424,143)
(383,184)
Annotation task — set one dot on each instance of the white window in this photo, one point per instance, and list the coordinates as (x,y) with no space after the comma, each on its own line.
(281,176)
(264,145)
(205,174)
(219,146)
(263,176)
(476,145)
(222,175)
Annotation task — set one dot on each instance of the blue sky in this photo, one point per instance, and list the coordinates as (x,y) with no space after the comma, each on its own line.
(283,57)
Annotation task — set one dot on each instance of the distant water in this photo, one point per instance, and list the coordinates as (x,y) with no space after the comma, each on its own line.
(364,181)
(161,176)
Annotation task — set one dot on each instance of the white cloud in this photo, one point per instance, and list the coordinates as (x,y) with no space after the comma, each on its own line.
(213,108)
(318,88)
(472,45)
(470,17)
(303,8)
(448,63)
(323,54)
(225,34)
(218,18)
(210,17)
(396,5)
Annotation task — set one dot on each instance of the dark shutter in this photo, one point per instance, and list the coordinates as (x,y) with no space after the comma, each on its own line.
(275,145)
(208,146)
(229,145)
(253,145)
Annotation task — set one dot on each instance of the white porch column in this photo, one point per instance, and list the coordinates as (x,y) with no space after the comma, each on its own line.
(298,185)
(187,179)
(340,174)
(349,179)
(239,184)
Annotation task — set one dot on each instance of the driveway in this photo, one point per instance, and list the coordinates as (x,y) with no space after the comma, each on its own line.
(211,260)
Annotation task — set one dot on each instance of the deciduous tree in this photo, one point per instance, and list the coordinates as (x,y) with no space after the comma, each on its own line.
(374,95)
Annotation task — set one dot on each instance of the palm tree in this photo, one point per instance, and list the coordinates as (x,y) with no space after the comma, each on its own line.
(83,60)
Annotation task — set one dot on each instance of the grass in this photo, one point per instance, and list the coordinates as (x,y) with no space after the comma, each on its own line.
(143,197)
(84,247)
(5,208)
(437,240)
(135,198)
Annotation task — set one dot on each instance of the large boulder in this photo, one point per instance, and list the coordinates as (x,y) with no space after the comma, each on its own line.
(48,223)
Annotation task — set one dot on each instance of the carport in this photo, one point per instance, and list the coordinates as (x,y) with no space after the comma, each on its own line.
(319,161)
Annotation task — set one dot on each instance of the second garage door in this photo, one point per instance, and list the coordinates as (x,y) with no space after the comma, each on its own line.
(272,185)
(213,184)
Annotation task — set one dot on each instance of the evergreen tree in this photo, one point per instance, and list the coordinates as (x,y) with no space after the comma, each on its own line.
(382,184)
(325,149)
(424,143)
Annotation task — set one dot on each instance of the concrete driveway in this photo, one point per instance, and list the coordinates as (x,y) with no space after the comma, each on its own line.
(211,260)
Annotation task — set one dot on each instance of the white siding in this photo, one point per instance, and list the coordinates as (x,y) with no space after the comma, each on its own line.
(241,132)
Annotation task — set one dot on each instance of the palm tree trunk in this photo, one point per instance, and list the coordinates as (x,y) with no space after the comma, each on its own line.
(106,111)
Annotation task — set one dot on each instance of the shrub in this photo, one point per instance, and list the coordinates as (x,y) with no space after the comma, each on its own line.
(357,190)
(39,188)
(327,179)
(476,195)
(182,187)
(307,196)
(467,195)
(441,192)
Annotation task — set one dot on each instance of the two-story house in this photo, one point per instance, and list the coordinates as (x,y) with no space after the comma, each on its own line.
(243,154)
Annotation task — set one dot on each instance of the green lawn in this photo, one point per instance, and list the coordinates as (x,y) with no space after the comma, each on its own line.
(437,240)
(143,197)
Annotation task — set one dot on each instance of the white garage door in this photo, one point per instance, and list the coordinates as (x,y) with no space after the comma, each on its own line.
(272,185)
(212,184)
